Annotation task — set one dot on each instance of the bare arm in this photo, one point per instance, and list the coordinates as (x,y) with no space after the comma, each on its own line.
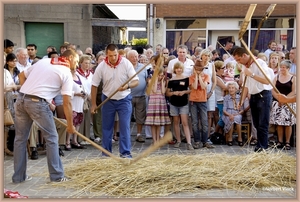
(22,78)
(213,78)
(94,90)
(68,113)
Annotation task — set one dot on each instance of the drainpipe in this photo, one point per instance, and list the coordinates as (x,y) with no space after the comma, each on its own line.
(151,25)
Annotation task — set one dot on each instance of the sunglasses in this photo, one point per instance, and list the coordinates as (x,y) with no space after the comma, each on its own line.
(166,53)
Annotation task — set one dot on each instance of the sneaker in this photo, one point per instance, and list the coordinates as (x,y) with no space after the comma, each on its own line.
(139,138)
(34,155)
(126,156)
(209,141)
(97,140)
(190,147)
(63,179)
(207,145)
(196,145)
(28,178)
(177,144)
(85,143)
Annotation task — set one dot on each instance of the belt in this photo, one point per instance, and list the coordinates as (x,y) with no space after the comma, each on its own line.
(32,97)
(139,96)
(261,94)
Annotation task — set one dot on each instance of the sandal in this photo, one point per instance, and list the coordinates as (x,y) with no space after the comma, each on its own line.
(116,138)
(279,145)
(287,146)
(240,143)
(77,146)
(68,147)
(229,143)
(8,152)
(253,142)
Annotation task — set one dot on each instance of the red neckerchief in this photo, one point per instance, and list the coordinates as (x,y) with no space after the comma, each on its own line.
(82,73)
(60,61)
(111,65)
(247,66)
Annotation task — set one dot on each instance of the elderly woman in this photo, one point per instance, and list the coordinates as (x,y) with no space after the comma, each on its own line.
(86,76)
(232,114)
(280,115)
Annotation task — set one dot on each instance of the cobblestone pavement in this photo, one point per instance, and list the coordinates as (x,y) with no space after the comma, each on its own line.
(37,187)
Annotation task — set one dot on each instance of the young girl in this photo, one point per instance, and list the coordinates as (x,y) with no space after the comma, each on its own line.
(178,90)
(157,112)
(229,72)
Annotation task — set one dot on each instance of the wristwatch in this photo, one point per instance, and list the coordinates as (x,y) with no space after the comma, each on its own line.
(252,75)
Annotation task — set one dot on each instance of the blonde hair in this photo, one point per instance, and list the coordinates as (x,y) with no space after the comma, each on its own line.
(218,64)
(84,57)
(178,65)
(206,52)
(230,64)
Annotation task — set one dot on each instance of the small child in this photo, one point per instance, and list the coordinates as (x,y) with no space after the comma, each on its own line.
(198,82)
(229,72)
(157,112)
(225,56)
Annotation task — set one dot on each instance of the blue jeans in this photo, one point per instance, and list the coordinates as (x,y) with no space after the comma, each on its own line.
(220,122)
(29,110)
(260,105)
(199,108)
(124,109)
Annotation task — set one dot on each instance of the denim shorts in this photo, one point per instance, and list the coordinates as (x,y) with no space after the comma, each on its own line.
(175,111)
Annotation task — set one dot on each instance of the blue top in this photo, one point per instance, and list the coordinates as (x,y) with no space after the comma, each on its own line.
(140,90)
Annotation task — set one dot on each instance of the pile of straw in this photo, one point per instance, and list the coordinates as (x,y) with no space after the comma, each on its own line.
(162,175)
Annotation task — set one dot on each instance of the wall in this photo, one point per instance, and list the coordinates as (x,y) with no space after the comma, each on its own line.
(76,19)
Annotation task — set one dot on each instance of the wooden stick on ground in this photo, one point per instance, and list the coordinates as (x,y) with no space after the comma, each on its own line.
(121,160)
(167,137)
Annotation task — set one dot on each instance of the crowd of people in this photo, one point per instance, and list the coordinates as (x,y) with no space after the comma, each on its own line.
(195,95)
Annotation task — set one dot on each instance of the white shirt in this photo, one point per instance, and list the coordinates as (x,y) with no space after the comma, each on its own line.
(86,82)
(188,67)
(7,78)
(46,80)
(114,78)
(254,86)
(22,67)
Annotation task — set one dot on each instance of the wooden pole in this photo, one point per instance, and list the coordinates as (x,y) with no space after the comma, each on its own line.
(270,82)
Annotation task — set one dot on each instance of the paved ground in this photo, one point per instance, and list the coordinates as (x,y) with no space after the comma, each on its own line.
(37,187)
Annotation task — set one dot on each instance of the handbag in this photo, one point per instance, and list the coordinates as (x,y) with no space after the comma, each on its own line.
(8,119)
(86,105)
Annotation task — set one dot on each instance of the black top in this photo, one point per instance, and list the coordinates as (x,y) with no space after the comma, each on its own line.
(284,88)
(179,85)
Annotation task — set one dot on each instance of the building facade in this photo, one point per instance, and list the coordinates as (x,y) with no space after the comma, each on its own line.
(54,24)
(206,24)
